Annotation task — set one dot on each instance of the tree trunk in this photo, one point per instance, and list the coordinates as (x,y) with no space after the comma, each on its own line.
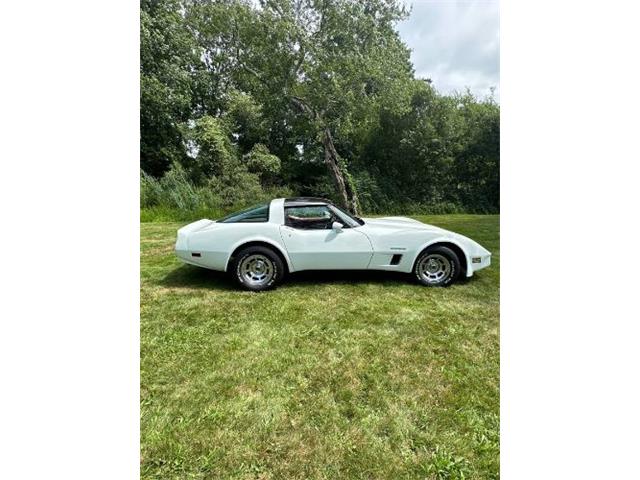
(346,190)
(348,196)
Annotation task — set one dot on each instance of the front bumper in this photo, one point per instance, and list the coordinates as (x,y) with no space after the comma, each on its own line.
(478,262)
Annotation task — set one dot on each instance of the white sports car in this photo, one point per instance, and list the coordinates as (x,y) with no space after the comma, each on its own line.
(259,245)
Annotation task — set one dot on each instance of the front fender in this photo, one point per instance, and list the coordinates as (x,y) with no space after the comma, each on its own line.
(450,240)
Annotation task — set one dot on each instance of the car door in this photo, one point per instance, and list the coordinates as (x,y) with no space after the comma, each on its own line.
(313,245)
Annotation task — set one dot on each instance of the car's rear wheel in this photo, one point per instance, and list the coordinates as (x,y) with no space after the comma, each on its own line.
(437,267)
(257,268)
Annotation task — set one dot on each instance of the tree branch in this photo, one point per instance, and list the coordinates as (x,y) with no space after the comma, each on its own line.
(304,106)
(241,63)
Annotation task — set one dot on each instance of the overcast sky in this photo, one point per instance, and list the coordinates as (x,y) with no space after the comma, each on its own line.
(455,43)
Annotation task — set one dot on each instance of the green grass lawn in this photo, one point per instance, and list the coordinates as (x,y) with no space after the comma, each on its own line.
(332,375)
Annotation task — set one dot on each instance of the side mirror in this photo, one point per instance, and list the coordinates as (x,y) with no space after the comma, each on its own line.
(336,226)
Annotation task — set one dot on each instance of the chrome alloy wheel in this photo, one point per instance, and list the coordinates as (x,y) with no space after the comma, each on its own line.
(256,270)
(434,268)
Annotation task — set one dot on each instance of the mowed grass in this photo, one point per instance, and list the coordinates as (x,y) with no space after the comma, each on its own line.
(361,375)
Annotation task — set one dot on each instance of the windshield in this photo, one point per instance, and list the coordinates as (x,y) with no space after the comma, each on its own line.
(346,218)
(257,213)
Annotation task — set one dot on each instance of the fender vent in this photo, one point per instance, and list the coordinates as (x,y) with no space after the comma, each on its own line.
(395,260)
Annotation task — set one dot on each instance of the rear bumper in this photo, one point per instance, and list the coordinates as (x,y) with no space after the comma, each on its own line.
(185,250)
(185,256)
(211,260)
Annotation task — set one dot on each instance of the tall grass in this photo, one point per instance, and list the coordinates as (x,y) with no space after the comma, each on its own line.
(175,198)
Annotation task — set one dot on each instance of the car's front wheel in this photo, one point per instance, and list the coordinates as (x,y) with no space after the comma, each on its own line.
(257,268)
(437,267)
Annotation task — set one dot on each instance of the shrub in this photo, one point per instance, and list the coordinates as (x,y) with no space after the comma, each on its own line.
(211,150)
(263,163)
(175,197)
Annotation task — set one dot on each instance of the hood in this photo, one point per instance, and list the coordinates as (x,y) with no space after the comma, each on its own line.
(401,223)
(397,227)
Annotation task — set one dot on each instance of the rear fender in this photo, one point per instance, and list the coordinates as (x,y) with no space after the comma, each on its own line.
(264,240)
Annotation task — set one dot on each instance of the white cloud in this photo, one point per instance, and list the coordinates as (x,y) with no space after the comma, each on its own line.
(455,43)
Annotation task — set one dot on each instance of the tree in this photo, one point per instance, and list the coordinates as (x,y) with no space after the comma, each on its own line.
(334,62)
(444,152)
(167,52)
(243,116)
(478,162)
(312,97)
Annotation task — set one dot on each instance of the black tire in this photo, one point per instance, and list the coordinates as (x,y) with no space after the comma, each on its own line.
(246,277)
(437,267)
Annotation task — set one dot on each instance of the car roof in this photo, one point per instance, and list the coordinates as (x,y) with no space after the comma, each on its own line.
(305,201)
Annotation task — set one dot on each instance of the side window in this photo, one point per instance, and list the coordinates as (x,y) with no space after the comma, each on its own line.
(255,214)
(309,218)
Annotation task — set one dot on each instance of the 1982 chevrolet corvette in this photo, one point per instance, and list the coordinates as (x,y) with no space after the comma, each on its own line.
(259,245)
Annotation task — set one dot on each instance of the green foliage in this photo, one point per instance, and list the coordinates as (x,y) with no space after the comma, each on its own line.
(175,191)
(176,197)
(167,53)
(213,153)
(260,161)
(478,163)
(444,151)
(233,84)
(236,186)
(244,119)
(157,213)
